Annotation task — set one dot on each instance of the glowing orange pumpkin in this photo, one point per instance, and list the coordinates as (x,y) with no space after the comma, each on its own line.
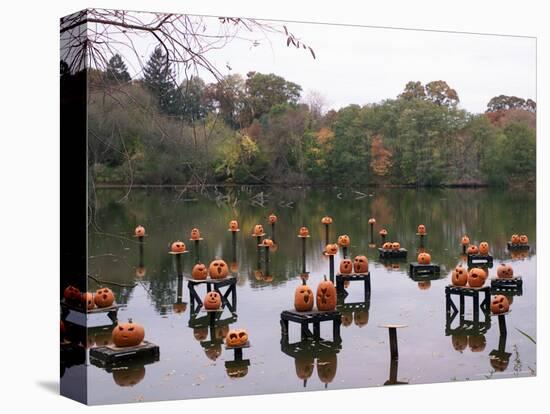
(139,231)
(234,225)
(383,232)
(387,246)
(499,304)
(272,218)
(258,230)
(304,231)
(395,246)
(199,272)
(88,300)
(346,266)
(128,334)
(372,220)
(178,247)
(523,239)
(267,243)
(514,239)
(424,258)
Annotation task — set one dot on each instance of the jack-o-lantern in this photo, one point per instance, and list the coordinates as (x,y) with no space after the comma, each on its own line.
(272,218)
(346,266)
(304,231)
(326,295)
(234,225)
(179,307)
(304,365)
(477,343)
(141,271)
(326,368)
(395,246)
(218,269)
(361,318)
(372,220)
(303,298)
(499,304)
(424,284)
(72,294)
(258,230)
(484,248)
(459,276)
(465,241)
(104,297)
(476,277)
(326,220)
(383,232)
(237,371)
(200,334)
(199,272)
(472,249)
(331,249)
(267,243)
(424,259)
(139,231)
(343,240)
(212,301)
(236,338)
(178,247)
(195,234)
(128,377)
(514,239)
(213,352)
(347,318)
(421,229)
(128,334)
(523,239)
(505,271)
(387,246)
(460,342)
(88,300)
(360,264)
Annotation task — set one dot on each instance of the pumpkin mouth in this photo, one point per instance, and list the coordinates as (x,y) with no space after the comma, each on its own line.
(306,298)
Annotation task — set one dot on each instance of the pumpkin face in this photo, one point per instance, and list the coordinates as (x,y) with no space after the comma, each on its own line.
(326,220)
(383,232)
(72,294)
(199,272)
(258,230)
(272,218)
(233,225)
(514,239)
(195,234)
(200,334)
(395,246)
(128,377)
(360,264)
(387,246)
(326,296)
(267,243)
(372,220)
(104,297)
(343,240)
(505,271)
(178,247)
(236,337)
(421,229)
(465,241)
(128,334)
(472,249)
(424,258)
(476,277)
(477,343)
(484,248)
(346,266)
(213,352)
(361,318)
(523,239)
(347,318)
(460,342)
(331,249)
(212,301)
(424,284)
(459,276)
(303,298)
(304,231)
(221,331)
(139,231)
(499,304)
(326,368)
(304,365)
(218,269)
(88,300)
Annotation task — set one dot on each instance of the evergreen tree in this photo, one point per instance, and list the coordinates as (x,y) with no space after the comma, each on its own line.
(159,79)
(116,71)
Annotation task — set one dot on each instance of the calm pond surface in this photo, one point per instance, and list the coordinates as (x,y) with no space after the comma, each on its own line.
(427,351)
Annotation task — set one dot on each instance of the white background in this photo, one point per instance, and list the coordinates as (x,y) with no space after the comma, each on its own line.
(29,206)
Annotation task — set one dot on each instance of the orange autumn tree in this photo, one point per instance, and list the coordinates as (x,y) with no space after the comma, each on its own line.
(381,157)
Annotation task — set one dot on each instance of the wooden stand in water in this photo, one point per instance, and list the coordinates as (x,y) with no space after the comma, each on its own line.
(312,317)
(452,310)
(512,246)
(111,355)
(392,254)
(354,277)
(229,298)
(480,260)
(394,354)
(110,311)
(418,269)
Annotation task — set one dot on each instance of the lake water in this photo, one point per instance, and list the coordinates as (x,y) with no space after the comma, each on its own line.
(427,351)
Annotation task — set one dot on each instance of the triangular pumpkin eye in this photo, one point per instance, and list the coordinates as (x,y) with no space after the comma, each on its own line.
(232,336)
(241,334)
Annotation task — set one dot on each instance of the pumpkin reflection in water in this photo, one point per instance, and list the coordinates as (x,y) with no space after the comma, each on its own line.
(200,334)
(237,371)
(236,337)
(361,318)
(460,342)
(500,362)
(326,368)
(424,284)
(477,343)
(347,318)
(179,307)
(346,266)
(128,377)
(213,352)
(304,365)
(221,331)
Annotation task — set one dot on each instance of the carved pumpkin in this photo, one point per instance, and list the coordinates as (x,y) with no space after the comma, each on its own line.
(213,352)
(387,246)
(346,266)
(424,258)
(459,276)
(218,269)
(178,247)
(236,337)
(88,300)
(128,377)
(484,248)
(139,231)
(72,294)
(304,365)
(514,239)
(267,243)
(304,231)
(199,272)
(272,218)
(499,304)
(200,334)
(303,298)
(331,249)
(421,229)
(326,295)
(326,220)
(258,230)
(472,249)
(234,225)
(383,232)
(465,241)
(128,334)
(104,297)
(212,301)
(141,271)
(361,318)
(360,264)
(477,343)
(343,240)
(372,220)
(476,277)
(505,271)
(424,284)
(395,246)
(326,368)
(195,234)
(460,342)
(523,239)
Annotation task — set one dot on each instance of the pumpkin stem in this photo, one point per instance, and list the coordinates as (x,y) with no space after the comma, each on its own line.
(129,320)
(303,282)
(325,277)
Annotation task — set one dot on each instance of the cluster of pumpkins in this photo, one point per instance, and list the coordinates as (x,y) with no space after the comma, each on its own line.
(325,296)
(474,278)
(217,269)
(103,297)
(326,367)
(483,248)
(391,246)
(517,239)
(476,343)
(359,265)
(360,318)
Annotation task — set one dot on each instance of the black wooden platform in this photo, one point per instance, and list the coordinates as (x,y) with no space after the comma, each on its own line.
(111,355)
(314,349)
(353,277)
(512,246)
(512,285)
(426,276)
(452,310)
(110,311)
(229,297)
(238,350)
(480,260)
(312,317)
(392,254)
(417,269)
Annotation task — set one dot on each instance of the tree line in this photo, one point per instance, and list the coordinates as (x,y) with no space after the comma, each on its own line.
(260,129)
